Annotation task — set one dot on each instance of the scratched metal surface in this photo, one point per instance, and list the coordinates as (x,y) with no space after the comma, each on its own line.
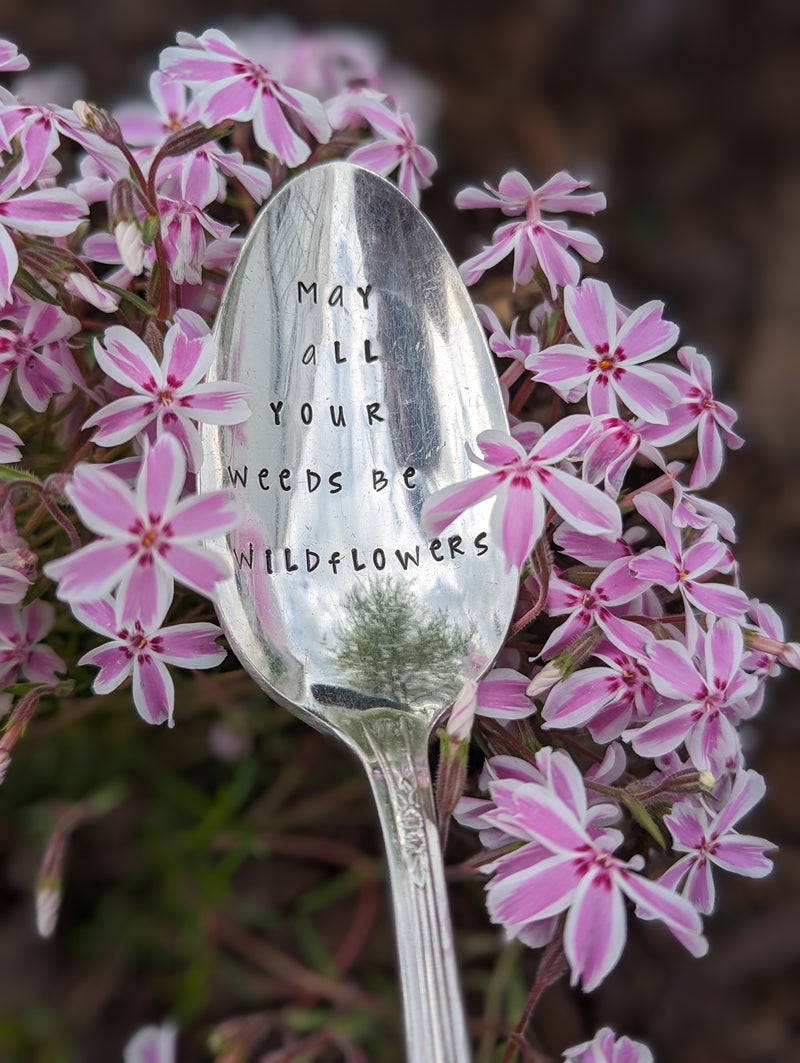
(350,323)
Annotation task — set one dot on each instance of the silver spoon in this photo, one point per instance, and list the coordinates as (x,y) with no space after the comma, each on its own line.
(370,374)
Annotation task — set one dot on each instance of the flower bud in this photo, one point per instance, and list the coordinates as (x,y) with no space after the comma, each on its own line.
(48,903)
(459,722)
(91,292)
(98,121)
(545,678)
(122,202)
(131,246)
(51,873)
(790,654)
(450,777)
(191,138)
(563,664)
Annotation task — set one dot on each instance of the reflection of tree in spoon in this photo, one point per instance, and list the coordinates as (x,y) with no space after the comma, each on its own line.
(392,647)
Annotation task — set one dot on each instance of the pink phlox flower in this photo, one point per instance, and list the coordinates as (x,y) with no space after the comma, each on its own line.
(14,583)
(538,239)
(35,349)
(605,698)
(199,175)
(686,569)
(230,86)
(523,483)
(204,298)
(605,363)
(10,443)
(143,653)
(18,563)
(501,695)
(710,692)
(148,125)
(45,212)
(605,604)
(697,409)
(514,345)
(344,110)
(168,397)
(37,133)
(758,662)
(478,814)
(330,62)
(327,62)
(609,456)
(690,510)
(567,864)
(593,551)
(395,144)
(613,765)
(148,538)
(21,647)
(469,810)
(527,433)
(768,623)
(709,837)
(38,130)
(153,1044)
(17,570)
(104,248)
(202,175)
(606,1047)
(185,229)
(96,180)
(11,59)
(91,291)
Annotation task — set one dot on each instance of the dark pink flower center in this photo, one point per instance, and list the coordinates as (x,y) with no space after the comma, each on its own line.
(608,361)
(149,539)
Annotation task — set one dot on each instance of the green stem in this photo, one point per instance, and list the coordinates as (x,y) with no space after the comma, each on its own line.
(551,966)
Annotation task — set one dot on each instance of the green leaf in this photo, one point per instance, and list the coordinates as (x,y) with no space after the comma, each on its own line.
(12,474)
(60,690)
(150,228)
(644,819)
(128,297)
(32,287)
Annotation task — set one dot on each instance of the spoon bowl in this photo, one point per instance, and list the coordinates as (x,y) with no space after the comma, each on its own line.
(370,375)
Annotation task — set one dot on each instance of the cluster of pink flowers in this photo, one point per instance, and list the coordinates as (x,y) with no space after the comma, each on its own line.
(108,328)
(634,654)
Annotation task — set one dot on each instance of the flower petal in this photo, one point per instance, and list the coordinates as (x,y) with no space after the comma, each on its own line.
(533,892)
(153,689)
(191,645)
(162,477)
(595,930)
(443,506)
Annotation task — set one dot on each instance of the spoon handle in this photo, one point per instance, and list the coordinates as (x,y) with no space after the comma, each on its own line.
(396,758)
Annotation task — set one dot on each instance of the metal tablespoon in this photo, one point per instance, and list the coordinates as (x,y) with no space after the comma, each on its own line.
(370,374)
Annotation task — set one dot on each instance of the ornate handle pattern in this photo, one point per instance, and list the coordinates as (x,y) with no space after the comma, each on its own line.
(396,755)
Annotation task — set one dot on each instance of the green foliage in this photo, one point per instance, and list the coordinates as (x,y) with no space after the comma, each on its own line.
(195,887)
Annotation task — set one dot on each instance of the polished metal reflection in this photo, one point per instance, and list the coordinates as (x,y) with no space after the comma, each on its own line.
(370,376)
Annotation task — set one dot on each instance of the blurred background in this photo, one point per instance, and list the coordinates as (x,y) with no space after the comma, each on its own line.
(687,114)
